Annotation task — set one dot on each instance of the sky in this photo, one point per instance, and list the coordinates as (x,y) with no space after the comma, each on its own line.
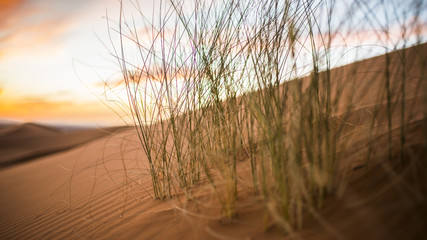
(52,61)
(55,56)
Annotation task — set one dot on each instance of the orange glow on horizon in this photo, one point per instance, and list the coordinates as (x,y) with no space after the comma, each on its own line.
(57,111)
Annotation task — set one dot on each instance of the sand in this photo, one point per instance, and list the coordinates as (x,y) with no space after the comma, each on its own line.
(96,186)
(24,142)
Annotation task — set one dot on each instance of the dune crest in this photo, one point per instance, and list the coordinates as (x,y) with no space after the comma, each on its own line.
(24,142)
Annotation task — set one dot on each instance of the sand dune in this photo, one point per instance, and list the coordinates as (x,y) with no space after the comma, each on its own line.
(101,189)
(24,142)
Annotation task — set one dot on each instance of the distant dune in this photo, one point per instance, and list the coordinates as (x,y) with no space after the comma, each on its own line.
(101,188)
(23,142)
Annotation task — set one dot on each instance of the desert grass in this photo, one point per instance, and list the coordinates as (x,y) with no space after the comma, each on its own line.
(213,83)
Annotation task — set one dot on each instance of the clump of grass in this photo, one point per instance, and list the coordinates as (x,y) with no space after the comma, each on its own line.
(253,79)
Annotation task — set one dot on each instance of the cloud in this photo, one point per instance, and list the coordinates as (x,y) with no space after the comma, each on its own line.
(140,76)
(9,11)
(7,4)
(26,24)
(7,7)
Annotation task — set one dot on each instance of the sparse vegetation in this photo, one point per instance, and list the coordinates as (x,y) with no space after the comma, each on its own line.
(215,83)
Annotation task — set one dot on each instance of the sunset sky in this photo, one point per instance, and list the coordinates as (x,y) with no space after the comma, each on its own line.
(53,60)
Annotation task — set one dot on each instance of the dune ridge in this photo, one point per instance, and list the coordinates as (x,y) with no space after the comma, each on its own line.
(24,142)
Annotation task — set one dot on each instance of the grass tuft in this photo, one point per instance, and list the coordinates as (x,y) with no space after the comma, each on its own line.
(233,81)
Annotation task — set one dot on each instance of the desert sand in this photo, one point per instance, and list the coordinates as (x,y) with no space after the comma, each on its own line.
(24,142)
(96,186)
